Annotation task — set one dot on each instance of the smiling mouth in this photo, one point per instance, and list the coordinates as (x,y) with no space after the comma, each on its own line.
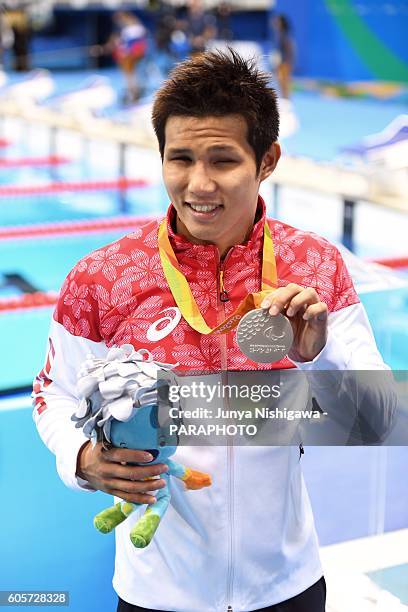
(203,208)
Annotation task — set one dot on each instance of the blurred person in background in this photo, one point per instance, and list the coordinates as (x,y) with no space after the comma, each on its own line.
(166,25)
(6,37)
(17,18)
(284,54)
(128,45)
(191,34)
(200,26)
(223,18)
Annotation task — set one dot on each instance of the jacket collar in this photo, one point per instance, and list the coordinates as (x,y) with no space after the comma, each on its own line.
(181,243)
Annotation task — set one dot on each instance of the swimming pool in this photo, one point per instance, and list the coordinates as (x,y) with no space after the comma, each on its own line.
(48,541)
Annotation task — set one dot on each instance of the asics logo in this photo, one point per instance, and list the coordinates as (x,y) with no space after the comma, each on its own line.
(164,326)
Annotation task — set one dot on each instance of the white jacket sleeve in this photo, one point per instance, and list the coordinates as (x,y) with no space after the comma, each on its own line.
(55,399)
(350,380)
(350,343)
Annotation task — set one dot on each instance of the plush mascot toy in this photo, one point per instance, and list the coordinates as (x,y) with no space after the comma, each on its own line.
(119,407)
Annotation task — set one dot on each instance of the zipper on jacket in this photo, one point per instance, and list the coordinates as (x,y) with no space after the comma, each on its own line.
(221,310)
(223,294)
(230,448)
(230,578)
(222,298)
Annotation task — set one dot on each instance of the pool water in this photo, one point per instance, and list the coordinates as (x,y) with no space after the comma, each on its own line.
(393,579)
(44,261)
(20,210)
(388,315)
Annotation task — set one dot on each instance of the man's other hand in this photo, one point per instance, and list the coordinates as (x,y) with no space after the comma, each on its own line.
(109,471)
(308,316)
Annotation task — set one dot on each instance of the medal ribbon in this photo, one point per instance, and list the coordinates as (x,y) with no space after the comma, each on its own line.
(184,298)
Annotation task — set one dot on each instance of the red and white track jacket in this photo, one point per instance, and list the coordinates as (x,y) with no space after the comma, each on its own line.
(248,541)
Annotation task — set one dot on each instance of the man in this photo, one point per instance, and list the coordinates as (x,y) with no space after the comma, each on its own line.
(285,48)
(128,45)
(18,19)
(247,542)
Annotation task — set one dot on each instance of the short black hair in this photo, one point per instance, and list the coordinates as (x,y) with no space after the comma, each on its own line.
(218,83)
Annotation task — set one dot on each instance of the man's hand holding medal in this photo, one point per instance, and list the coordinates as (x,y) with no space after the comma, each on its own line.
(292,321)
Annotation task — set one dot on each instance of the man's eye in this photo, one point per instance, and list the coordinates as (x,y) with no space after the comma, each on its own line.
(225,161)
(181,158)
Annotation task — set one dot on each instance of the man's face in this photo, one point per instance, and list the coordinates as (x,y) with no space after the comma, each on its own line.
(209,170)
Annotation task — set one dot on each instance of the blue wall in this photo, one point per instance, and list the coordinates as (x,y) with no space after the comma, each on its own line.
(349,39)
(47,540)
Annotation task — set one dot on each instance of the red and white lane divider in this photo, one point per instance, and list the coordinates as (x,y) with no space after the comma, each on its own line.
(33,162)
(393,262)
(120,184)
(45,230)
(39,299)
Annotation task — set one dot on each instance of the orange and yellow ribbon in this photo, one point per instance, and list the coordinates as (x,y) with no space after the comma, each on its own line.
(184,298)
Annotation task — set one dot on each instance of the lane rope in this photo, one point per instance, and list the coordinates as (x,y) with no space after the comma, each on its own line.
(39,299)
(120,184)
(45,230)
(33,162)
(393,262)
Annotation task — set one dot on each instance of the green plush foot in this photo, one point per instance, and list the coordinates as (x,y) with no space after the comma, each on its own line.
(102,525)
(138,541)
(143,532)
(110,518)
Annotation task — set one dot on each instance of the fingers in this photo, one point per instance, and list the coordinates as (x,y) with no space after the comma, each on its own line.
(127,455)
(135,487)
(291,300)
(134,484)
(132,472)
(135,498)
(308,316)
(316,313)
(111,471)
(301,301)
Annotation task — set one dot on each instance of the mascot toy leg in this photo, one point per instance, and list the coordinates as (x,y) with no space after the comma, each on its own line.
(110,518)
(145,528)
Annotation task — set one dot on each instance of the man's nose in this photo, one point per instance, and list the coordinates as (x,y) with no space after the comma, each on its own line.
(201,181)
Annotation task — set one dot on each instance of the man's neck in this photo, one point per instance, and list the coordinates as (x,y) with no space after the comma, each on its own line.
(223,247)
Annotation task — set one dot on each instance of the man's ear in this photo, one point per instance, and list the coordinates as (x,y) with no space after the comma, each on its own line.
(269,161)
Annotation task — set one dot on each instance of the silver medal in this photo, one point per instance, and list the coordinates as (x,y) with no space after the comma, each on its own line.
(264,338)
